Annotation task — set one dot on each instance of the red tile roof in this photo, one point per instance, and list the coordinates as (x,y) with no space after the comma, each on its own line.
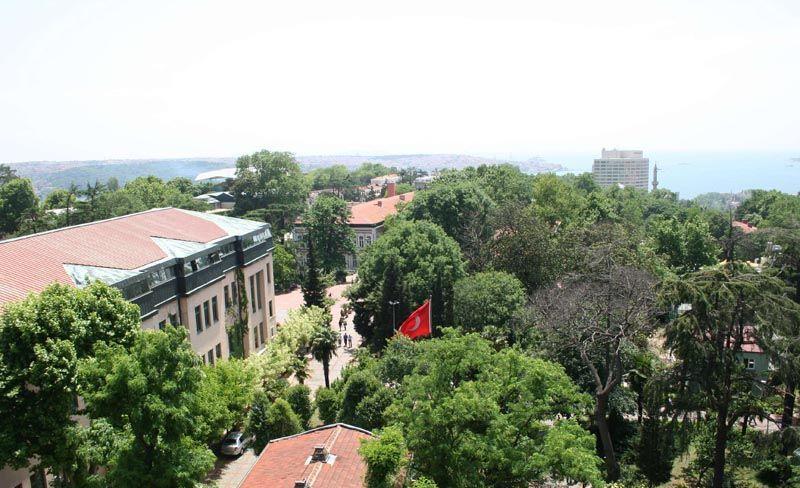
(28,264)
(285,460)
(375,211)
(744,226)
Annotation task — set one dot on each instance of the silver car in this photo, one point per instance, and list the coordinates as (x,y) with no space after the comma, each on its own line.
(235,443)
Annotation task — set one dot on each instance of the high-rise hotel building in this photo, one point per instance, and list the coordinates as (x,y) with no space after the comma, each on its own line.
(622,167)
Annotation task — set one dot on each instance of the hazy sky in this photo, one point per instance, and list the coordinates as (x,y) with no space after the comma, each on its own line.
(91,80)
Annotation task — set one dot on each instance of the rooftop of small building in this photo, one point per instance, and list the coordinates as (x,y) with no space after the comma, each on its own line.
(375,211)
(288,460)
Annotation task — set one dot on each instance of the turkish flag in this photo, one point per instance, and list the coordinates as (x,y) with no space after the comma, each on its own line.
(418,324)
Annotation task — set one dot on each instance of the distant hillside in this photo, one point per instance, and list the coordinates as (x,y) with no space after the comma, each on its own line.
(49,175)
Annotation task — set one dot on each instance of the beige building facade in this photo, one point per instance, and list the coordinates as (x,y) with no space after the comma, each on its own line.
(622,167)
(201,271)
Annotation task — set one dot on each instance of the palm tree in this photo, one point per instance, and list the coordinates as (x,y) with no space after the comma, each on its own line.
(323,348)
(300,368)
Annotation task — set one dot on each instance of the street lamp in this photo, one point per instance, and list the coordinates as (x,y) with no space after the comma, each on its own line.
(393,303)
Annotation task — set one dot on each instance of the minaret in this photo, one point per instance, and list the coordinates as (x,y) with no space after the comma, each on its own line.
(655,177)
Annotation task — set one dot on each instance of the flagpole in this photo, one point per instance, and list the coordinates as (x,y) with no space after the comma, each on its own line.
(430,312)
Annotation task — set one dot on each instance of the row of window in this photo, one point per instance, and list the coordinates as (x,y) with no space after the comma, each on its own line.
(209,358)
(231,296)
(173,320)
(209,312)
(259,331)
(251,241)
(154,278)
(364,241)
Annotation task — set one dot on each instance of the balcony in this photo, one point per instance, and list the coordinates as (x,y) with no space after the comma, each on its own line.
(202,277)
(157,295)
(255,252)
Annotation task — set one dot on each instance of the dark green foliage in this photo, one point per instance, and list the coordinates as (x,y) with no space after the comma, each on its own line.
(313,287)
(44,340)
(384,457)
(227,391)
(686,246)
(271,420)
(655,450)
(272,183)
(17,201)
(327,228)
(7,174)
(284,266)
(462,209)
(707,341)
(299,398)
(150,394)
(475,417)
(409,263)
(527,247)
(488,303)
(327,402)
(358,388)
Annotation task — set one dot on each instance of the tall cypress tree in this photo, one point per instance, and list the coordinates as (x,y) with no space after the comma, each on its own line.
(390,317)
(313,289)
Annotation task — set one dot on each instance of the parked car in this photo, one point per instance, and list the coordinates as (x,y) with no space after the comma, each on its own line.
(235,443)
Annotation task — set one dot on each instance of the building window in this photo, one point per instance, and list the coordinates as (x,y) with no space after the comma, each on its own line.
(211,356)
(255,337)
(260,290)
(368,240)
(270,308)
(162,324)
(218,348)
(360,242)
(261,331)
(253,292)
(215,308)
(269,272)
(207,314)
(227,295)
(272,331)
(173,319)
(750,364)
(198,319)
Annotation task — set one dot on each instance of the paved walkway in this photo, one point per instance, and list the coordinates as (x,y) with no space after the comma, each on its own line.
(294,300)
(228,472)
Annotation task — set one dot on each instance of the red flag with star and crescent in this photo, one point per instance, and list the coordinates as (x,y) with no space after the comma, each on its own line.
(418,324)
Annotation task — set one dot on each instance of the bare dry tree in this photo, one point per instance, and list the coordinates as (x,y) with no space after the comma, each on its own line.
(599,313)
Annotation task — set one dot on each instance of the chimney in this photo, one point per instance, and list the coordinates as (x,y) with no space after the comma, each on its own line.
(391,189)
(403,197)
(320,454)
(379,203)
(300,484)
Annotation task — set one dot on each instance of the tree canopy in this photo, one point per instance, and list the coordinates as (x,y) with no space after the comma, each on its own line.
(411,262)
(44,340)
(326,226)
(270,183)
